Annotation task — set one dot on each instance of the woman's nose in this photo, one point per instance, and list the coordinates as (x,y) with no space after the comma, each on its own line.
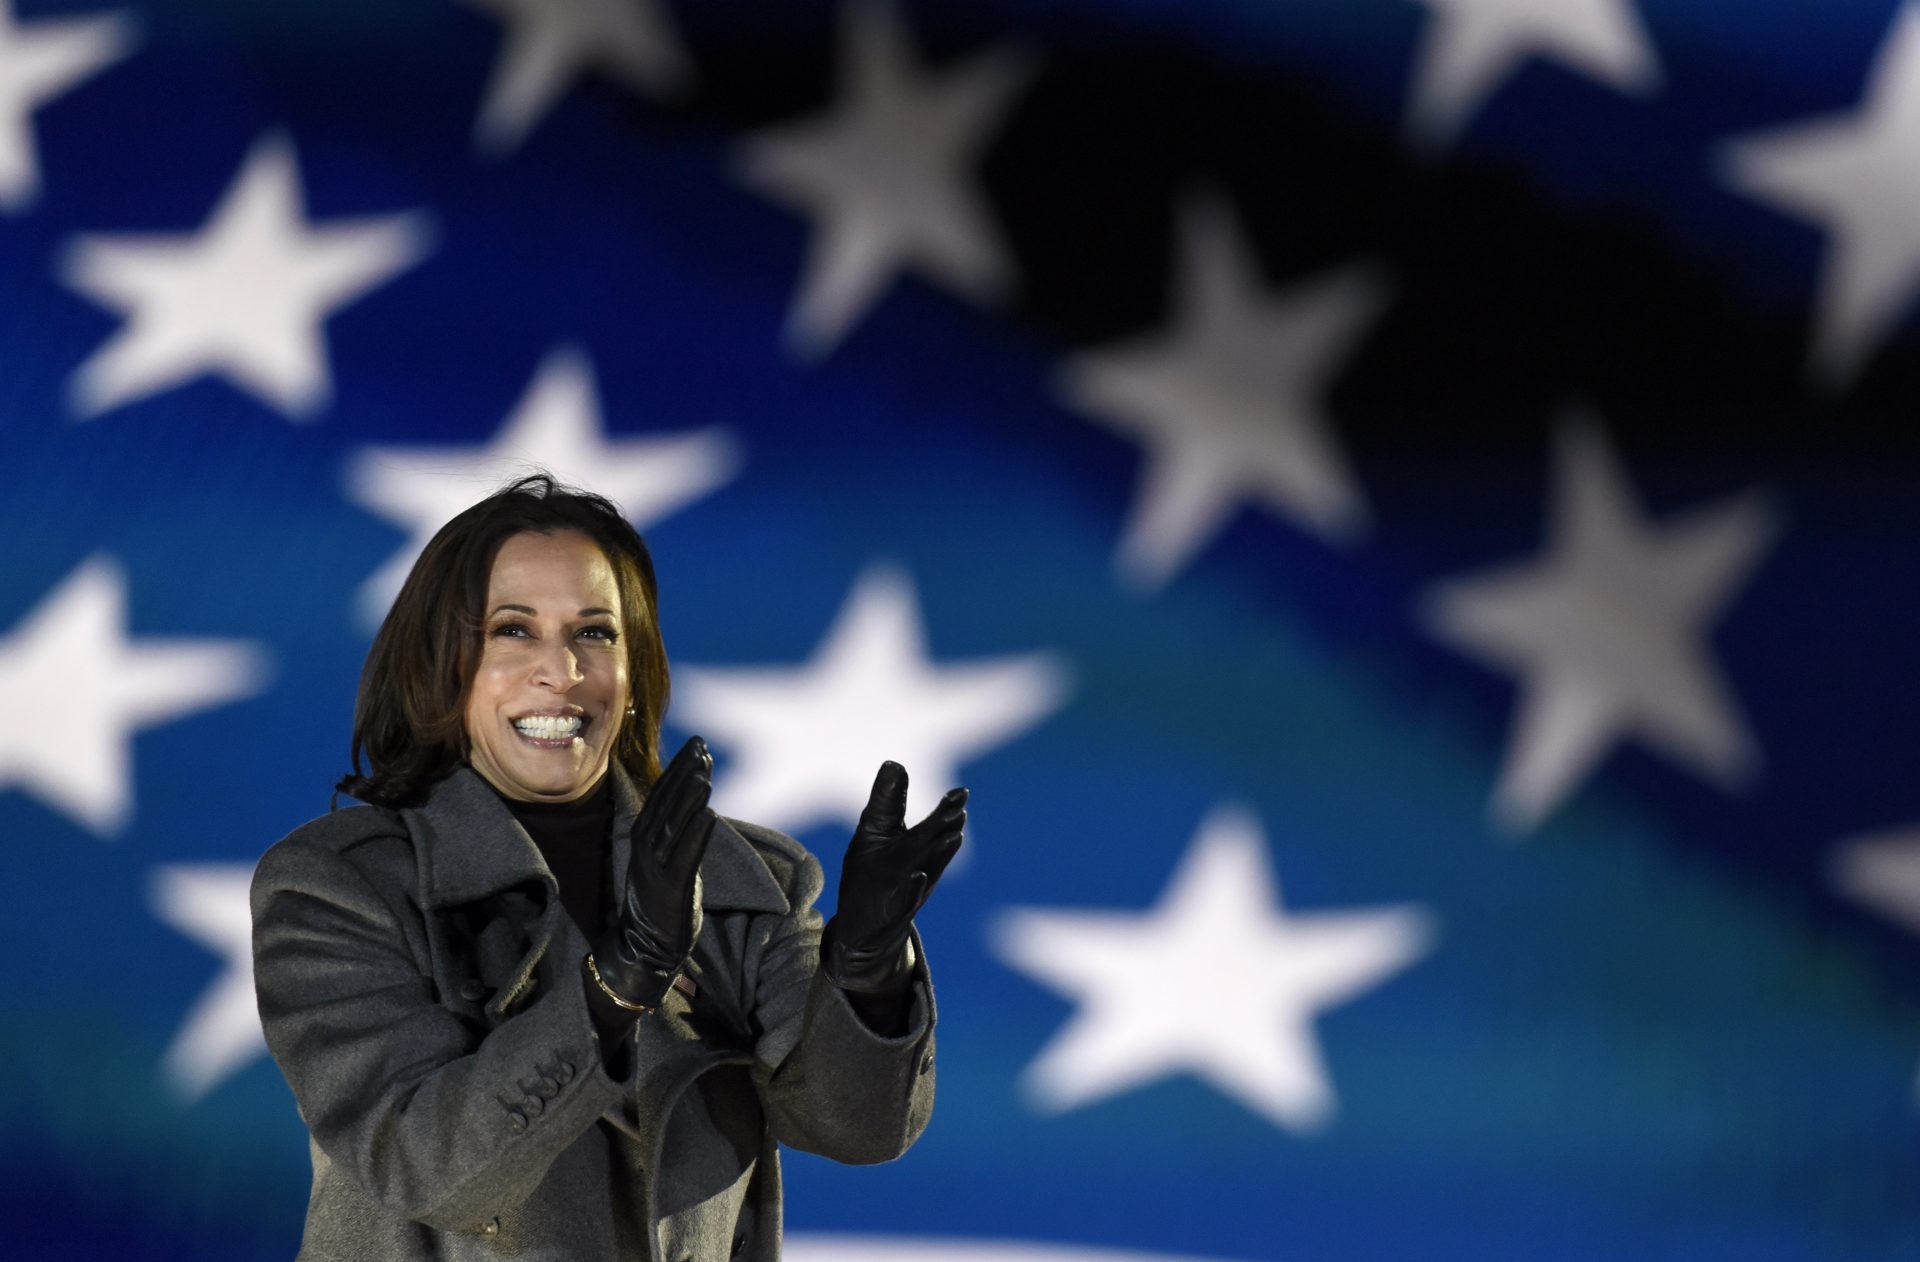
(558,667)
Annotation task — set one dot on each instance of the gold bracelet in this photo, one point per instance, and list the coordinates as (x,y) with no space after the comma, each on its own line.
(601,982)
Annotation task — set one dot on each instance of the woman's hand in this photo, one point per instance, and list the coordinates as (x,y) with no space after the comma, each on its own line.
(888,873)
(659,918)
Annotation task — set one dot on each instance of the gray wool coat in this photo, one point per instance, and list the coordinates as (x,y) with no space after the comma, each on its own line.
(419,984)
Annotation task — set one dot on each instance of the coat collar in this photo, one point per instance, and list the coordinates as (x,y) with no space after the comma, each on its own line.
(470,846)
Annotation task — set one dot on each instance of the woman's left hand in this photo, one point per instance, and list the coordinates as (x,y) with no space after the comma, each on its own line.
(888,873)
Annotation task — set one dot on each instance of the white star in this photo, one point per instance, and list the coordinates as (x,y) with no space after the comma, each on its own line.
(70,665)
(1608,630)
(1217,980)
(38,62)
(556,426)
(551,42)
(208,903)
(1858,177)
(887,177)
(1473,45)
(806,743)
(1227,402)
(243,298)
(1882,872)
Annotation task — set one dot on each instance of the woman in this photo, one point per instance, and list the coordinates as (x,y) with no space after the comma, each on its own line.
(536,1000)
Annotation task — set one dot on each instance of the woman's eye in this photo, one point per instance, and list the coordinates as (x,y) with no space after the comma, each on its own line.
(604,633)
(510,628)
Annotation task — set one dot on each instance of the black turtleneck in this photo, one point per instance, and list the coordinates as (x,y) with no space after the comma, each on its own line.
(573,838)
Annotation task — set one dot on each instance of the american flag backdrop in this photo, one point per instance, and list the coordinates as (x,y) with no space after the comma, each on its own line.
(1403,513)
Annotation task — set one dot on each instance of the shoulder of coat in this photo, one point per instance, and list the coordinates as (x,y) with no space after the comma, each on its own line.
(372,839)
(781,853)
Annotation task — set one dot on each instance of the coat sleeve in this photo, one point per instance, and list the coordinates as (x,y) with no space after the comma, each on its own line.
(830,1084)
(442,1123)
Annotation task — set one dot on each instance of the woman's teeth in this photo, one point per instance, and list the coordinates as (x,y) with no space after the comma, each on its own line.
(548,727)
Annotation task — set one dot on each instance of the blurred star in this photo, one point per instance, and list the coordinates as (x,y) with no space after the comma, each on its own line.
(1217,980)
(38,62)
(1228,401)
(244,298)
(1472,46)
(556,426)
(208,903)
(71,666)
(887,177)
(1607,632)
(1858,178)
(549,43)
(803,743)
(1882,871)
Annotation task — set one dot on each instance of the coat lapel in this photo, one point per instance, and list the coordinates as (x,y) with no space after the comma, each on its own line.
(469,848)
(470,844)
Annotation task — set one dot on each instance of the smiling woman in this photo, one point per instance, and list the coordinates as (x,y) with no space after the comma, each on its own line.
(536,1000)
(532,559)
(550,693)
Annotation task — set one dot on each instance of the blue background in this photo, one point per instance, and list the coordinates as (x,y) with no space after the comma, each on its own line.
(1653,1029)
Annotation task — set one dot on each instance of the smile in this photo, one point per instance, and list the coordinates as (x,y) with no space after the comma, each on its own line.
(549,731)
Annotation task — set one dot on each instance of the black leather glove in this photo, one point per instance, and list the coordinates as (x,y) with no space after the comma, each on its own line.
(888,873)
(659,919)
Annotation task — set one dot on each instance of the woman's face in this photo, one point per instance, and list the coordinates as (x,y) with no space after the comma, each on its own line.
(551,690)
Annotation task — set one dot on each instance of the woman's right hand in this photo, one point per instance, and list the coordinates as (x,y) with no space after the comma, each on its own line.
(659,917)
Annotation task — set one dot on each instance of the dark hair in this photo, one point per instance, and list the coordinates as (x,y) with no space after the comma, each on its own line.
(409,718)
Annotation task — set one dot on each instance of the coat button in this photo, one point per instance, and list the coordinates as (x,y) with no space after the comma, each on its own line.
(473,991)
(564,1072)
(516,1121)
(548,1087)
(739,1246)
(492,1228)
(533,1105)
(926,1063)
